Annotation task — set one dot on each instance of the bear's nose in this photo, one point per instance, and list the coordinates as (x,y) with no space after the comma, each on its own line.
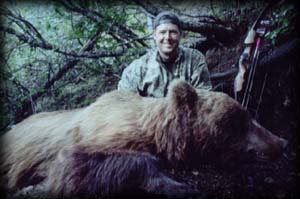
(283,143)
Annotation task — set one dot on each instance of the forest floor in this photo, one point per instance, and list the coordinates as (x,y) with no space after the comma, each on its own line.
(257,180)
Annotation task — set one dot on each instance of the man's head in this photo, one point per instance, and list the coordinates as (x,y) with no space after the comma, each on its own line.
(167,34)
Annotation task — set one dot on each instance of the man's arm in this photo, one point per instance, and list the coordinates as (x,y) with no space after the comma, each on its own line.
(131,77)
(200,75)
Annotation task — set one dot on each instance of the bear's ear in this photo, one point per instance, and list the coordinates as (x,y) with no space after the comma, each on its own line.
(181,94)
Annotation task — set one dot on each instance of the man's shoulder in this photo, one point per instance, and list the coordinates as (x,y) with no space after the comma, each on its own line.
(144,59)
(151,53)
(141,63)
(193,54)
(192,51)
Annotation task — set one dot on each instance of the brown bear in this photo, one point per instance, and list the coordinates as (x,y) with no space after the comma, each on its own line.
(187,126)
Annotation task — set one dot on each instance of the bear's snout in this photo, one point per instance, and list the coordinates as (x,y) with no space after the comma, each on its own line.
(263,144)
(284,143)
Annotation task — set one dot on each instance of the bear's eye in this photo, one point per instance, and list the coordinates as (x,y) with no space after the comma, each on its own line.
(232,138)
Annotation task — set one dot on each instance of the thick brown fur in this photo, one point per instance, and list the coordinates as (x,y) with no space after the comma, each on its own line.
(79,173)
(188,123)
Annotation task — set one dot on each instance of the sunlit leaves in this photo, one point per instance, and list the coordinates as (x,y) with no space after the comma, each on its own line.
(30,68)
(283,20)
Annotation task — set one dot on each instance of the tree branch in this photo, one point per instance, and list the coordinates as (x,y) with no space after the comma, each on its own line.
(26,104)
(39,41)
(221,76)
(26,39)
(208,26)
(118,27)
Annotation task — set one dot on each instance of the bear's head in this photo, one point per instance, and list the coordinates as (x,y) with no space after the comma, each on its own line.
(220,129)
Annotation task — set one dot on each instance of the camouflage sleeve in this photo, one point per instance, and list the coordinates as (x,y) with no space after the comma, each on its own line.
(131,77)
(200,75)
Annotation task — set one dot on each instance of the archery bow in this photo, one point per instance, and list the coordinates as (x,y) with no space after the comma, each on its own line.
(248,61)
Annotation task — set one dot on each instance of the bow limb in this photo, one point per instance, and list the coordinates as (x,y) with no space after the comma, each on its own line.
(246,58)
(244,62)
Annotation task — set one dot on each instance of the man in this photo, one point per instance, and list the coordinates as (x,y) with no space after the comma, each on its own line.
(151,74)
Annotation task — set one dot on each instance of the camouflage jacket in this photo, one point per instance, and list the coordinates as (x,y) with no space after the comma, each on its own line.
(149,76)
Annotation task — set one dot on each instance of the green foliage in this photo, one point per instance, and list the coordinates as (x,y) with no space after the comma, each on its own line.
(283,19)
(28,68)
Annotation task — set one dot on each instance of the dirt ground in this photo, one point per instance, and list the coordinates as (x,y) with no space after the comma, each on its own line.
(258,180)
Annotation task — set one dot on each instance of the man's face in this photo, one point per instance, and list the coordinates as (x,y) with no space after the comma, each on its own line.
(167,37)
